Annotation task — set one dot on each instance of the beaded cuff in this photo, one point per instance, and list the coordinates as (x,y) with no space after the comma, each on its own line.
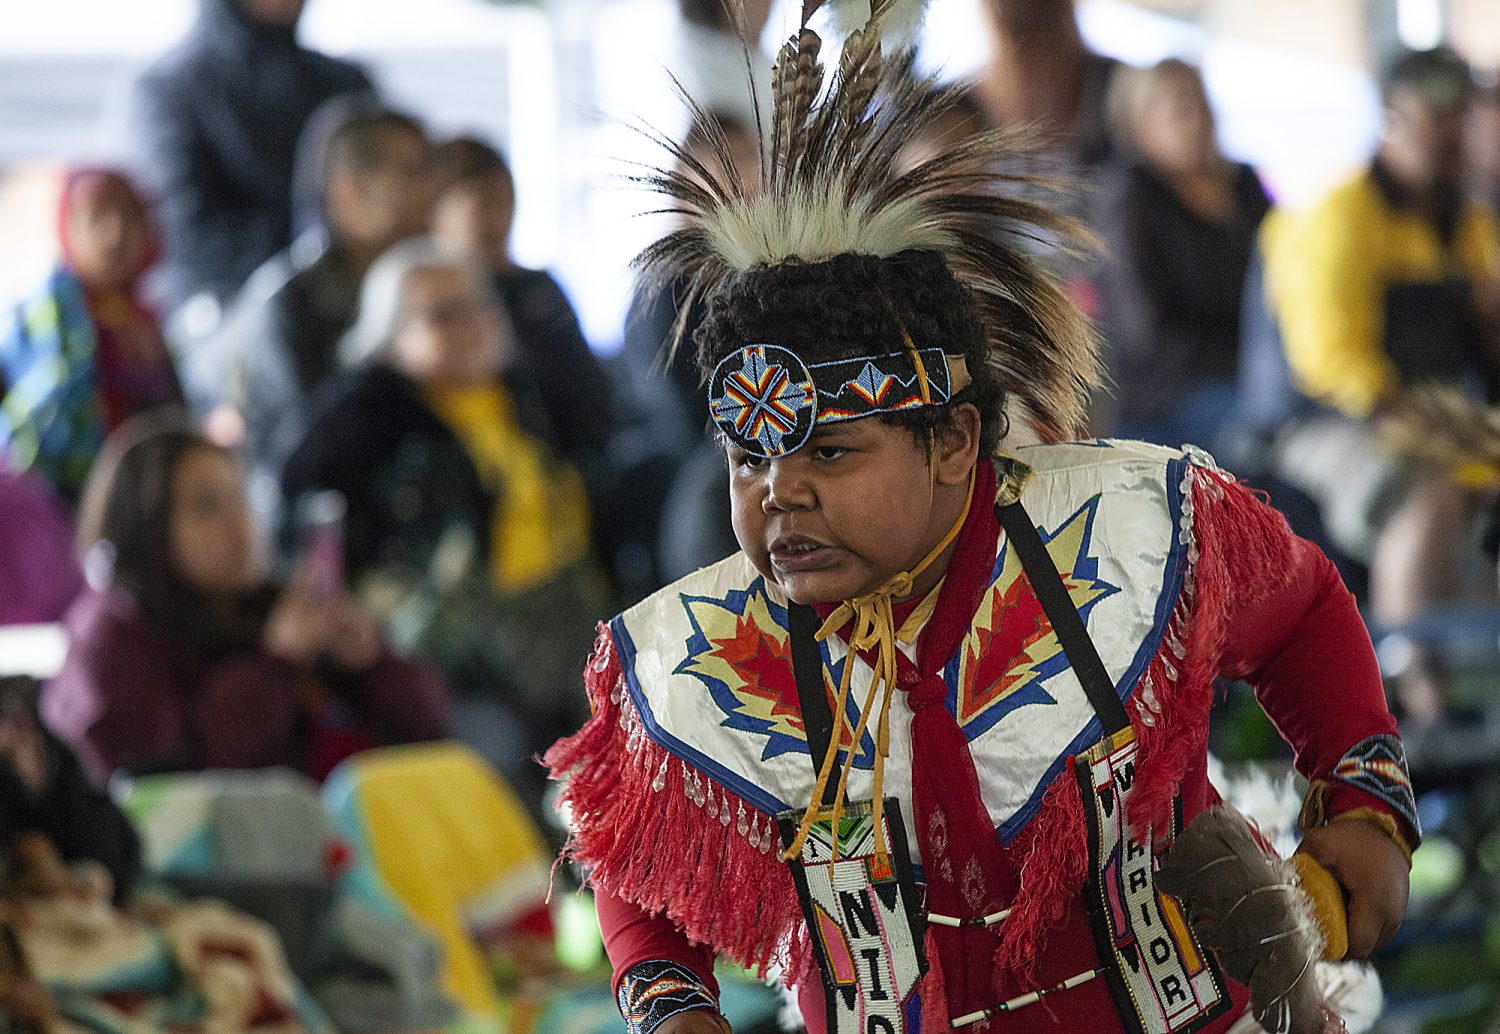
(653,992)
(1377,766)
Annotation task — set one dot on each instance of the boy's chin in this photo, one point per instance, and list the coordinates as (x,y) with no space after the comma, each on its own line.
(817,587)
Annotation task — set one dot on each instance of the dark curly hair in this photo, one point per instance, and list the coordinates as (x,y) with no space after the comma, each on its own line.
(853,305)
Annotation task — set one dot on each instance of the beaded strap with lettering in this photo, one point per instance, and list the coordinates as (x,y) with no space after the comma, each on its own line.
(653,992)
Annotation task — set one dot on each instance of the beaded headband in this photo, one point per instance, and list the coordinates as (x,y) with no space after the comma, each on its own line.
(766,400)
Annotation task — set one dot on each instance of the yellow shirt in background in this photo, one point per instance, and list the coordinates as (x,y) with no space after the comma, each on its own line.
(541,521)
(1327,273)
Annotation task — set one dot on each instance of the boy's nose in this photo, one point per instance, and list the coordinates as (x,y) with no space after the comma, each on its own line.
(786,488)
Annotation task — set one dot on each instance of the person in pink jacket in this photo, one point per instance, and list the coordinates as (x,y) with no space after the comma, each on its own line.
(185,655)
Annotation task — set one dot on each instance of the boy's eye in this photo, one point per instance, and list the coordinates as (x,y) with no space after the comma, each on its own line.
(746,460)
(829,452)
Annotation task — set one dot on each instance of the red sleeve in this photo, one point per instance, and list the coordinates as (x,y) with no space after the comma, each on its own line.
(632,935)
(1305,649)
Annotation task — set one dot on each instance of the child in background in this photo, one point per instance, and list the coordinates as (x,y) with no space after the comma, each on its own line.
(185,656)
(84,354)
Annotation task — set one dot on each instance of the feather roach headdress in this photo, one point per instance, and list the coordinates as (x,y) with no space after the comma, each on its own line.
(833,183)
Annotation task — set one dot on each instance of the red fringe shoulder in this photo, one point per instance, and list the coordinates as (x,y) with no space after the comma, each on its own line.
(660,835)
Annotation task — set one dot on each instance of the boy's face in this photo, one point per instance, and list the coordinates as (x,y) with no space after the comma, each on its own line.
(858,504)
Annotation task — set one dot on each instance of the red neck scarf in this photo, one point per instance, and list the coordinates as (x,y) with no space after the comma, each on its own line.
(966,875)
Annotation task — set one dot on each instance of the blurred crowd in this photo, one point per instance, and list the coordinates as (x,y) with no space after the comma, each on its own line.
(347,477)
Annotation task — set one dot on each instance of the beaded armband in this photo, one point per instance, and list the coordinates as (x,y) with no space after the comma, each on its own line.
(1376,765)
(654,991)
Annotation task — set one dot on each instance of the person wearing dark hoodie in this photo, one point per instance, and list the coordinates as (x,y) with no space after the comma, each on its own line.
(220,118)
(371,169)
(475,210)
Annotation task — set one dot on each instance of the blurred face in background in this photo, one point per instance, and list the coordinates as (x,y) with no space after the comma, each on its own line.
(1483,138)
(1027,16)
(214,546)
(1423,144)
(107,236)
(389,199)
(450,332)
(744,152)
(277,13)
(475,218)
(1173,124)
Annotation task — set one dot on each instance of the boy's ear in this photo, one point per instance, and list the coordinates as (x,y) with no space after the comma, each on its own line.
(957,446)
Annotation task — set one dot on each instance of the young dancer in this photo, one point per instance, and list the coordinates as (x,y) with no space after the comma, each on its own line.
(921,746)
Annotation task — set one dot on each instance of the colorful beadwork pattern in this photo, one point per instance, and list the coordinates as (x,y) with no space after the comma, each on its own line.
(1377,765)
(653,992)
(767,400)
(763,398)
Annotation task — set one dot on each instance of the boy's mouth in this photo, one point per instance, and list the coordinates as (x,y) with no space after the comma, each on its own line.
(793,554)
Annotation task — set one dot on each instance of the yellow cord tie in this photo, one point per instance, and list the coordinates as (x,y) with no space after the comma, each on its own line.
(874,628)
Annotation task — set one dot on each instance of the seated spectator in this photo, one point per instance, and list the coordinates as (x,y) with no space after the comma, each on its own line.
(466,533)
(475,209)
(70,957)
(1178,221)
(84,354)
(666,412)
(39,575)
(1390,282)
(70,960)
(281,341)
(45,792)
(184,656)
(220,118)
(667,393)
(1483,140)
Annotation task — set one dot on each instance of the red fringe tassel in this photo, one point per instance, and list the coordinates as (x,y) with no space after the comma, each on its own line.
(637,825)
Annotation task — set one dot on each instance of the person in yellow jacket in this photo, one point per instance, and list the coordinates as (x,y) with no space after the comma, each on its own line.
(1391,281)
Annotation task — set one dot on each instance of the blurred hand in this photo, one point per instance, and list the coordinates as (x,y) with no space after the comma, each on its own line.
(354,642)
(1484,295)
(1374,874)
(298,628)
(22,748)
(699,1021)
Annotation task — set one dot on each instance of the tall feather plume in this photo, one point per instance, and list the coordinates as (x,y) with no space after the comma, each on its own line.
(836,184)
